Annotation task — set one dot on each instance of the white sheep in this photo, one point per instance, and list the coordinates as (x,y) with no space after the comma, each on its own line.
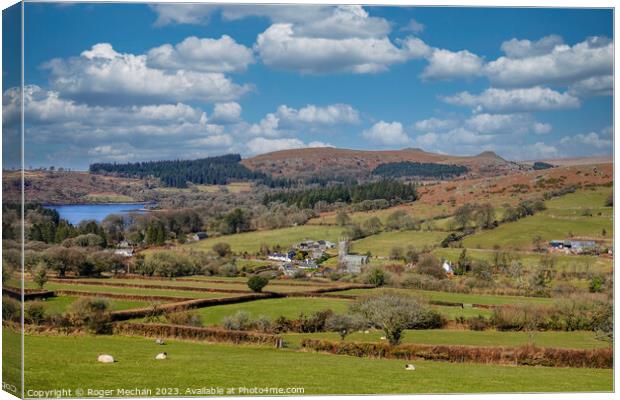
(160,341)
(161,356)
(105,358)
(410,367)
(382,338)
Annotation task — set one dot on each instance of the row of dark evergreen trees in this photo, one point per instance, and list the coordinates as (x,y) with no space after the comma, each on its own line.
(417,169)
(177,173)
(390,190)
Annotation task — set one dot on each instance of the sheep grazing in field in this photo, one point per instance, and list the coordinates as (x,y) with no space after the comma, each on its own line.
(161,356)
(105,358)
(160,341)
(410,367)
(382,338)
(366,332)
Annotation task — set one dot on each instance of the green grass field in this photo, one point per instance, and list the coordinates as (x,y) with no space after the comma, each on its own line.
(564,216)
(529,259)
(574,340)
(217,365)
(417,210)
(11,360)
(60,304)
(273,308)
(279,286)
(382,243)
(465,298)
(102,290)
(251,241)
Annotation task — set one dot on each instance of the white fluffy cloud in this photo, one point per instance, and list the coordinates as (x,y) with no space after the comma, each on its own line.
(506,124)
(515,48)
(551,62)
(514,100)
(279,47)
(309,117)
(590,139)
(226,112)
(413,26)
(435,124)
(387,134)
(103,76)
(330,115)
(261,145)
(446,64)
(594,86)
(207,55)
(112,133)
(182,13)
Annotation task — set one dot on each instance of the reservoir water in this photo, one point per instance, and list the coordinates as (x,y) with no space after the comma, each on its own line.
(76,213)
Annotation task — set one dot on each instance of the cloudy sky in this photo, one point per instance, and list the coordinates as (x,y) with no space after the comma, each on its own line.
(129,82)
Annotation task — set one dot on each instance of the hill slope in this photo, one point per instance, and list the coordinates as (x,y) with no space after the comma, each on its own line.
(327,161)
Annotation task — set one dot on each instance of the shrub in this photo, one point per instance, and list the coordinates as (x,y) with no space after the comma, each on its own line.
(430,265)
(167,263)
(240,321)
(11,310)
(222,249)
(40,275)
(186,318)
(313,323)
(478,323)
(257,282)
(597,283)
(90,313)
(374,276)
(391,312)
(34,313)
(343,324)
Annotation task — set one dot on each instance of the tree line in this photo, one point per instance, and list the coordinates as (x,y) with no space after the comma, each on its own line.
(177,173)
(418,169)
(390,190)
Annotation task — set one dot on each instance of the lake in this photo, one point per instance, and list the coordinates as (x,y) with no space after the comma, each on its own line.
(76,213)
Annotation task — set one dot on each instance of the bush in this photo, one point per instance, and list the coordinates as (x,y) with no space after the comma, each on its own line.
(11,310)
(185,318)
(222,249)
(90,313)
(257,282)
(392,312)
(597,283)
(478,323)
(344,324)
(34,313)
(40,275)
(375,277)
(430,265)
(167,263)
(240,321)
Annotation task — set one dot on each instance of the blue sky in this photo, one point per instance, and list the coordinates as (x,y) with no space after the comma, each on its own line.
(128,82)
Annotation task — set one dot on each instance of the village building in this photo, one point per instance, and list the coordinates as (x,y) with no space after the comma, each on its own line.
(573,246)
(199,236)
(352,263)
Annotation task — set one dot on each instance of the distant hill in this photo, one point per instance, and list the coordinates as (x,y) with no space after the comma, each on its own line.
(328,162)
(210,171)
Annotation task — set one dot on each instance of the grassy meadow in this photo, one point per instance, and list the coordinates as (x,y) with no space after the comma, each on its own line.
(286,237)
(76,366)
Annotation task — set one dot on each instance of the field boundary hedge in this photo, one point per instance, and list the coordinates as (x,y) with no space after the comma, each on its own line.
(522,355)
(221,281)
(121,315)
(29,294)
(147,286)
(195,333)
(136,297)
